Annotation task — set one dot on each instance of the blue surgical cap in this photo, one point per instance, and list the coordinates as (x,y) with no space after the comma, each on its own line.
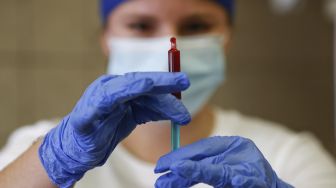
(106,6)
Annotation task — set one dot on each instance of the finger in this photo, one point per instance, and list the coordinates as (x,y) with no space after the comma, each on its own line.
(97,103)
(126,87)
(132,85)
(243,175)
(160,107)
(171,180)
(153,108)
(197,171)
(108,92)
(199,150)
(244,181)
(164,82)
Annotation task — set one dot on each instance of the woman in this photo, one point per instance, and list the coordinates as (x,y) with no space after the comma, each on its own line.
(137,91)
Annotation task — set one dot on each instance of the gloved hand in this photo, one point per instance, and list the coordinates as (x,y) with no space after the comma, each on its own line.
(108,111)
(219,162)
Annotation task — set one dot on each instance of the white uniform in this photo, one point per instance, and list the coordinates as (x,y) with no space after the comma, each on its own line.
(298,159)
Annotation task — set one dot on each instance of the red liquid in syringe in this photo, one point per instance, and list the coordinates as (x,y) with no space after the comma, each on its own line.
(174,61)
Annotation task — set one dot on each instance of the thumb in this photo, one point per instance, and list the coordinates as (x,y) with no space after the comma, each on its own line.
(201,172)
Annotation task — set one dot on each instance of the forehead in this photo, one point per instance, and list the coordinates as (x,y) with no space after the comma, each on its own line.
(170,8)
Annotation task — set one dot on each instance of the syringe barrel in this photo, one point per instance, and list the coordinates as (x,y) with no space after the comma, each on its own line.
(174,63)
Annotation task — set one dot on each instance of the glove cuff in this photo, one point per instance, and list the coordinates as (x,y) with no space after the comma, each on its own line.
(62,170)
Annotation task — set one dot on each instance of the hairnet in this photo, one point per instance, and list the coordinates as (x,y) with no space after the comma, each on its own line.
(106,6)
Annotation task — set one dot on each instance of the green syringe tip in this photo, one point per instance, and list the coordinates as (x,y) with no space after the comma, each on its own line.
(175,136)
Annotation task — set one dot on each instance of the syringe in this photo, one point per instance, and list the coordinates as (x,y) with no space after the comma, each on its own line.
(174,66)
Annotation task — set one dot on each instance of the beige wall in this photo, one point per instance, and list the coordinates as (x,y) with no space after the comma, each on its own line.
(280,66)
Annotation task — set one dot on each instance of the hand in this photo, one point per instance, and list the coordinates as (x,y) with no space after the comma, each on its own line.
(108,111)
(219,162)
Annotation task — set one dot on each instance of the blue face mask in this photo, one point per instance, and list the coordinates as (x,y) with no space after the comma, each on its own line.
(202,58)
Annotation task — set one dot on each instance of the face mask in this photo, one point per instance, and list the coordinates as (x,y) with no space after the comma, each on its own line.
(202,58)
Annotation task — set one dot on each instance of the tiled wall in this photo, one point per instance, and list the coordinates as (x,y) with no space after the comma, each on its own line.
(49,52)
(280,67)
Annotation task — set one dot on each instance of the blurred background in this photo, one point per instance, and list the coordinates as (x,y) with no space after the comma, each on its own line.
(280,64)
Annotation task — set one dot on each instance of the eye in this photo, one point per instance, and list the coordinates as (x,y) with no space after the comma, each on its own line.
(139,26)
(195,27)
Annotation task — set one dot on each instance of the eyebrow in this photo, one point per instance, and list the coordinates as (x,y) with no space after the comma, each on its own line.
(200,16)
(138,16)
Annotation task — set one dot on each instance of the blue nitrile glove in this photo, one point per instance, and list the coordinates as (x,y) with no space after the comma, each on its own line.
(108,111)
(219,162)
